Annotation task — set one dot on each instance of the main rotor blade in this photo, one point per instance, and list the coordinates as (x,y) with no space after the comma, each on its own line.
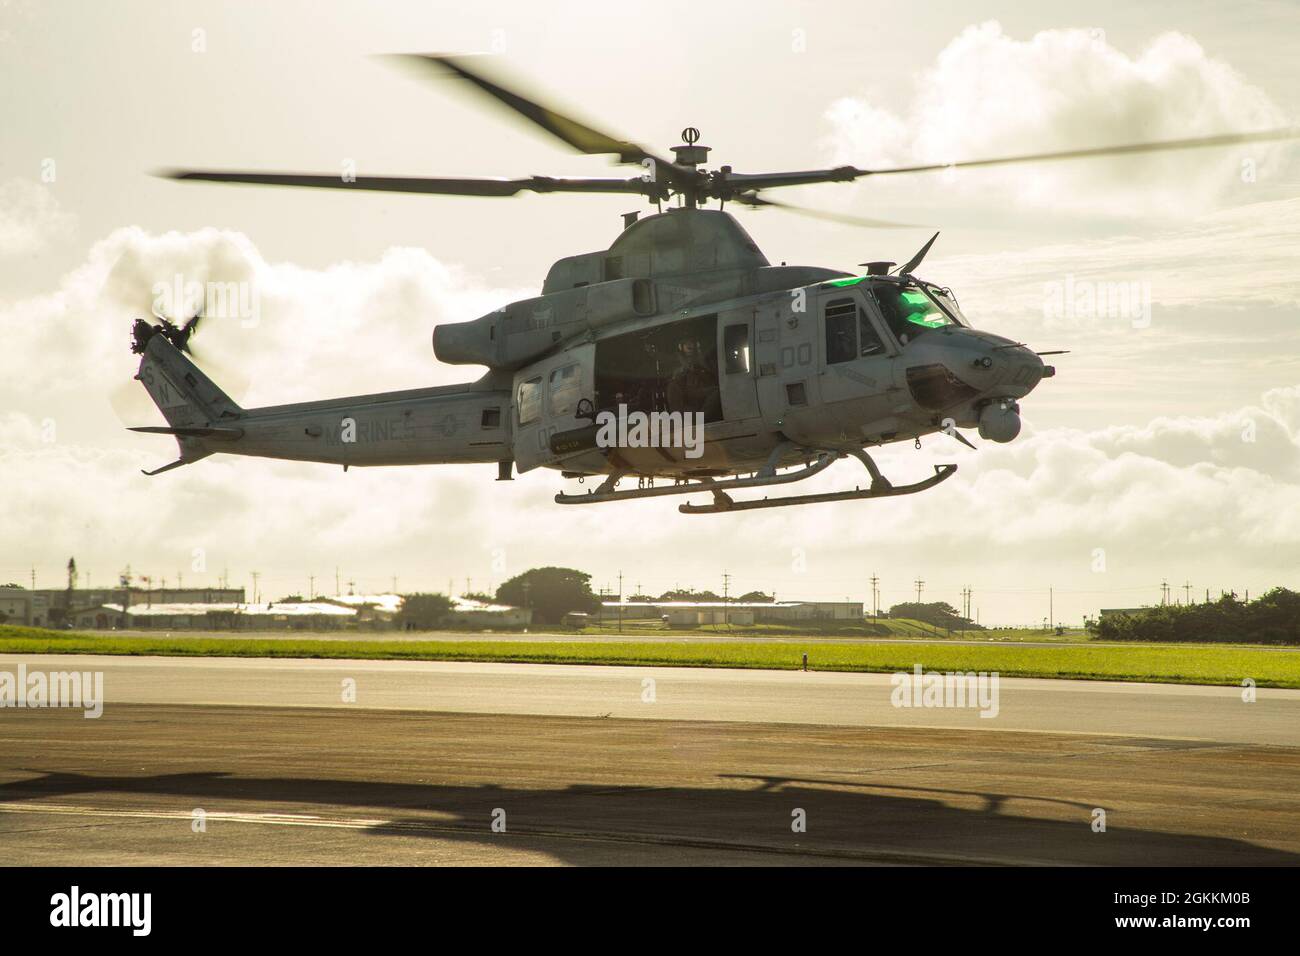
(754,181)
(841,174)
(758,202)
(1226,139)
(583,138)
(414,184)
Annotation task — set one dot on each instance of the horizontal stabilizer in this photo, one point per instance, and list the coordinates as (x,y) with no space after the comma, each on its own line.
(195,431)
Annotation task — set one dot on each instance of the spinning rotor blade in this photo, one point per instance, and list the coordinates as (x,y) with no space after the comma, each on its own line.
(578,135)
(571,132)
(1227,139)
(756,201)
(841,174)
(414,184)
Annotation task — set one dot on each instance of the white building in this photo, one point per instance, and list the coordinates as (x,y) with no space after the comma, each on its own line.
(696,613)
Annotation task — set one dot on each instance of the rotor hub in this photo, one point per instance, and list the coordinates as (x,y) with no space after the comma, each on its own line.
(689,154)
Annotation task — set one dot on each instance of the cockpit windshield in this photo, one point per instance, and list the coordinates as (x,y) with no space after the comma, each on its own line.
(949,302)
(910,309)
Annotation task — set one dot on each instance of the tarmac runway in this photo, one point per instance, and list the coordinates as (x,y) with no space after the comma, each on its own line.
(591,765)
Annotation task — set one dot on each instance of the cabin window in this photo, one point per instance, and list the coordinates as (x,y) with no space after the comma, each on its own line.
(735,342)
(566,389)
(643,297)
(491,418)
(796,394)
(528,402)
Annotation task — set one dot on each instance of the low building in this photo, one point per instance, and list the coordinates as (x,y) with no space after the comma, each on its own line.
(709,616)
(48,607)
(15,606)
(1113,611)
(738,613)
(467,612)
(307,615)
(370,608)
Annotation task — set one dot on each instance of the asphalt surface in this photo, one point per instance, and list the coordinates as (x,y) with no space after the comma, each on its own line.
(584,768)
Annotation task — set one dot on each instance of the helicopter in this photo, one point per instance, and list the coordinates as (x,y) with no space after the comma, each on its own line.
(678,357)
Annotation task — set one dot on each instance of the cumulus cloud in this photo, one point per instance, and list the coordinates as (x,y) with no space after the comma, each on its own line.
(354,327)
(1238,260)
(988,95)
(30,218)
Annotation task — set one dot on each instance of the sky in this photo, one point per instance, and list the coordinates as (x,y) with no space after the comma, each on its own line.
(1167,447)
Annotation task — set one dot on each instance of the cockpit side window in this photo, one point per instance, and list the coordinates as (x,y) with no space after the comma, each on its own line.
(841,331)
(849,332)
(869,338)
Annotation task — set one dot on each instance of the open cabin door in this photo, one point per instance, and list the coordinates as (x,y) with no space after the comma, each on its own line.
(545,400)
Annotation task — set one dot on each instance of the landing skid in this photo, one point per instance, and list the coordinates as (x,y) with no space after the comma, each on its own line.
(724,502)
(764,477)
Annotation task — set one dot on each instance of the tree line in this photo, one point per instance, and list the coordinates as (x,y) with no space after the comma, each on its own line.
(1273,618)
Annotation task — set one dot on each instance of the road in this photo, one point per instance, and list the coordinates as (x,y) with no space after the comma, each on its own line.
(594,765)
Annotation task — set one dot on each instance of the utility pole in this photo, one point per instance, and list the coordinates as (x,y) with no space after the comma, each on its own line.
(1187,591)
(126,593)
(337,591)
(311,587)
(875,598)
(394,583)
(256,575)
(1164,592)
(726,586)
(620,602)
(1051,609)
(919,585)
